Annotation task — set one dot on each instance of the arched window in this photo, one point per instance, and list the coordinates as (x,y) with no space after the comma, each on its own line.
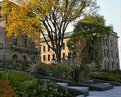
(24,57)
(14,57)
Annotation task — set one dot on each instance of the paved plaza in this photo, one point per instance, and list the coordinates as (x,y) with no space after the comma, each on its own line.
(115,92)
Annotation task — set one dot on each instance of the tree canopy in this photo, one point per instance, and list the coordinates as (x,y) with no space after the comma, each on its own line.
(87,37)
(23,16)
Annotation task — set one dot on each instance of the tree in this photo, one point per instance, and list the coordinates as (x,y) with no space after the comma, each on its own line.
(57,16)
(62,13)
(87,38)
(23,17)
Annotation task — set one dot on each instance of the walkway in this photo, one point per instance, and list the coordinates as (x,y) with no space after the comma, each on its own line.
(115,92)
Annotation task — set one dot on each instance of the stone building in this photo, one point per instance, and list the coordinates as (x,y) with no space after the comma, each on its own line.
(108,51)
(15,50)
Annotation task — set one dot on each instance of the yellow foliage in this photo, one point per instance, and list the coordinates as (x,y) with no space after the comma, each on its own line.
(24,16)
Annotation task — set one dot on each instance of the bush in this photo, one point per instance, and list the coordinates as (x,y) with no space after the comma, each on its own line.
(41,69)
(59,70)
(80,72)
(5,89)
(27,85)
(108,75)
(41,88)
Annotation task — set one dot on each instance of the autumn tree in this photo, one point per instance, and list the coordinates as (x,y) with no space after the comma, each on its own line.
(58,14)
(23,17)
(87,36)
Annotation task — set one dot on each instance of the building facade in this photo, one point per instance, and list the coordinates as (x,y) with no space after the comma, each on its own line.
(108,47)
(110,52)
(17,50)
(48,56)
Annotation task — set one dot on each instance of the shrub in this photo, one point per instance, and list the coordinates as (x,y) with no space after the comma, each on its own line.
(108,75)
(41,88)
(5,89)
(41,69)
(59,70)
(27,85)
(80,72)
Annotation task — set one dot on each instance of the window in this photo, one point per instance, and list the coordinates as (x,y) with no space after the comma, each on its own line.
(15,56)
(117,66)
(63,55)
(53,57)
(24,57)
(48,48)
(108,65)
(43,48)
(48,57)
(105,64)
(107,53)
(43,57)
(104,53)
(116,55)
(112,65)
(106,41)
(63,45)
(111,43)
(111,53)
(69,55)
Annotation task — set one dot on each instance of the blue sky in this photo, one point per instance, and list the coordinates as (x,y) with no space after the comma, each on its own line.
(111,10)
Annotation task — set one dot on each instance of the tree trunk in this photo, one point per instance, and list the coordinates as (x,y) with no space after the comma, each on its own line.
(58,54)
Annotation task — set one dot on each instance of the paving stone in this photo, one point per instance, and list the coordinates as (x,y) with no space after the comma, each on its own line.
(63,84)
(83,89)
(115,92)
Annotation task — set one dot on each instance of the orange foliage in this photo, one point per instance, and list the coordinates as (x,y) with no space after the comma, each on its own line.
(5,89)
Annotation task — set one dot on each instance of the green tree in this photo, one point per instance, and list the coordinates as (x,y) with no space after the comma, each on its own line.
(50,17)
(87,36)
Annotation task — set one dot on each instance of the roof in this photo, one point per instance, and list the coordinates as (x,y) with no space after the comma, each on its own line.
(66,35)
(114,34)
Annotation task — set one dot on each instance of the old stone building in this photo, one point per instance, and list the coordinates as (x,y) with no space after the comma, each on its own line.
(17,50)
(108,51)
(20,50)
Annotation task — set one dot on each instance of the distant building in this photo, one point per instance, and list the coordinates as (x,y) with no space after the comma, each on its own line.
(108,47)
(48,56)
(110,52)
